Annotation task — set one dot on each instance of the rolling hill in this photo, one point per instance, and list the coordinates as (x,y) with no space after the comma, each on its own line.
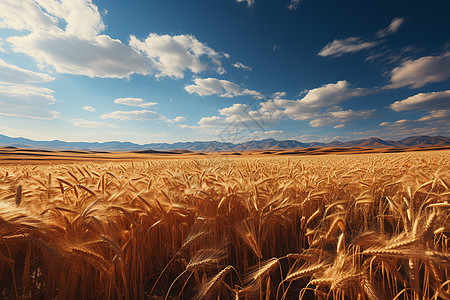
(212,146)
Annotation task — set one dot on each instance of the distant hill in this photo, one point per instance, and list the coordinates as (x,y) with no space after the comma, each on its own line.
(424,141)
(212,146)
(372,143)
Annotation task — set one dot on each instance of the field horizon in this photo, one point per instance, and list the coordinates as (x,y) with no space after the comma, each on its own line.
(14,155)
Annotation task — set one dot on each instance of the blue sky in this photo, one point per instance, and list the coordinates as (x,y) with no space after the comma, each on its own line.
(227,70)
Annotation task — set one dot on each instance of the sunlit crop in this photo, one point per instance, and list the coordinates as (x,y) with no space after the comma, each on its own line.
(371,226)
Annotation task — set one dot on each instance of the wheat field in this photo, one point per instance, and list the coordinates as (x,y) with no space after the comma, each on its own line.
(371,226)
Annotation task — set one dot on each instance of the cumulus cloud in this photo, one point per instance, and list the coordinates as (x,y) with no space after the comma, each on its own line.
(177,119)
(349,45)
(139,115)
(294,4)
(222,88)
(316,99)
(436,106)
(424,101)
(88,108)
(92,124)
(21,100)
(392,28)
(419,72)
(100,56)
(31,15)
(250,116)
(278,95)
(249,2)
(211,121)
(81,17)
(240,65)
(318,105)
(134,102)
(173,55)
(13,74)
(240,115)
(66,35)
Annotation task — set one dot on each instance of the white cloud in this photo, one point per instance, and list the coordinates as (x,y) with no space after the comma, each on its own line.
(243,115)
(392,28)
(330,94)
(433,123)
(29,101)
(211,121)
(235,109)
(340,116)
(419,72)
(319,98)
(88,108)
(349,45)
(173,55)
(78,17)
(222,88)
(437,114)
(92,124)
(354,44)
(81,16)
(31,15)
(100,56)
(240,65)
(139,115)
(424,101)
(319,105)
(13,74)
(134,102)
(2,44)
(177,119)
(293,5)
(249,2)
(279,95)
(437,108)
(66,35)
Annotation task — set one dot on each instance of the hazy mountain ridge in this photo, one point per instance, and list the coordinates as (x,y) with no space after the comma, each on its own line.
(208,146)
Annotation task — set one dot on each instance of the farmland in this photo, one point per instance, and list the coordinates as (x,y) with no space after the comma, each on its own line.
(359,226)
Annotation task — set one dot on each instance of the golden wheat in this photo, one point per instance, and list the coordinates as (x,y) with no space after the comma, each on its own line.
(337,226)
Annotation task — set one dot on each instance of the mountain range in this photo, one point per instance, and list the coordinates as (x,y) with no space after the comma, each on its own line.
(210,146)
